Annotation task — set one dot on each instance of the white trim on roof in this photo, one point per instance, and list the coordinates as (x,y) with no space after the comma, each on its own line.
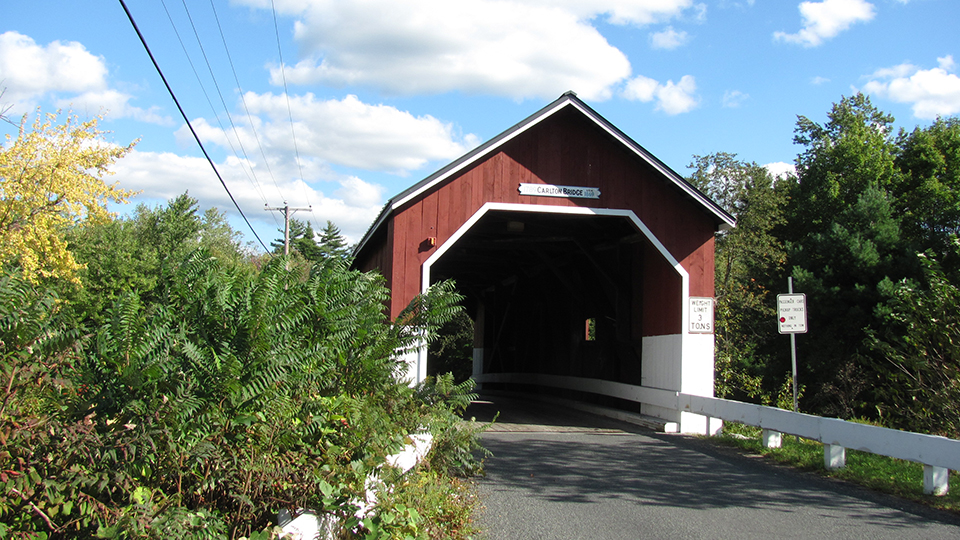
(567,99)
(481,151)
(725,218)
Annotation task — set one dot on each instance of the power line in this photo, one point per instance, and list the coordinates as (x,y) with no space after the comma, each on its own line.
(216,85)
(253,179)
(143,41)
(243,99)
(286,94)
(247,169)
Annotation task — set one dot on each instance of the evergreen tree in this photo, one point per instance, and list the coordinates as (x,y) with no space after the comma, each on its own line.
(332,243)
(843,237)
(305,242)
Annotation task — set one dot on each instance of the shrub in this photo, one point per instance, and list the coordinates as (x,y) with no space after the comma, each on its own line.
(203,414)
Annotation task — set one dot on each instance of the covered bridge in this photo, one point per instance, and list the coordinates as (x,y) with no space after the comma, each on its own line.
(587,264)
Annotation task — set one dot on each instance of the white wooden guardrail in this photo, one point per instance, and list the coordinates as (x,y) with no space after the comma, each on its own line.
(938,455)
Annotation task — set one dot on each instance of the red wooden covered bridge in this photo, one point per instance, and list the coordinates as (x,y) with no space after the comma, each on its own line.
(587,264)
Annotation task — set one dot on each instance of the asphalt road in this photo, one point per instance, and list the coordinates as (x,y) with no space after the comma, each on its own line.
(562,474)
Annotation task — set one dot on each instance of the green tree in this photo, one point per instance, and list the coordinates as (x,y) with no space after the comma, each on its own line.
(304,242)
(115,260)
(843,237)
(219,238)
(928,198)
(172,231)
(853,151)
(332,243)
(133,254)
(747,258)
(918,348)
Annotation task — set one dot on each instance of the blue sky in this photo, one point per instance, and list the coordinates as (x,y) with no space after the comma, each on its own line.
(382,93)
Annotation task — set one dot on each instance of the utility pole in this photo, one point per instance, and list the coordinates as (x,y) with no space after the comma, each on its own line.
(287,211)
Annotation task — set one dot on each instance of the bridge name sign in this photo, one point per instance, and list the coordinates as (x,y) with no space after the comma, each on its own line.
(570,192)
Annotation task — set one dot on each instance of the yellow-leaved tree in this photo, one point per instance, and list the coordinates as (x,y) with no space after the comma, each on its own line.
(52,177)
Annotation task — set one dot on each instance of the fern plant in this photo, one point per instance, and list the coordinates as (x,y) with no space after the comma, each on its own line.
(231,396)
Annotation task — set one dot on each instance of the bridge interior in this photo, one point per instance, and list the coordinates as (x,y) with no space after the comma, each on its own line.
(551,293)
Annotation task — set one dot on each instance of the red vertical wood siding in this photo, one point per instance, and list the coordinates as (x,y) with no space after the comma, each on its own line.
(566,149)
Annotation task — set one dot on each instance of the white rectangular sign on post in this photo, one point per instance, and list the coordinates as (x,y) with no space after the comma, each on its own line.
(701,315)
(792,313)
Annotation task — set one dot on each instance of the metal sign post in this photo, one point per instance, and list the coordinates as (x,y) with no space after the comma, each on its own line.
(792,319)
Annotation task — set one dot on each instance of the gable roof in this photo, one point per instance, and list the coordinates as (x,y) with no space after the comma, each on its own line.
(568,99)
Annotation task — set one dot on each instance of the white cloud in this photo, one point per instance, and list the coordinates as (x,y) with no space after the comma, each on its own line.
(947,63)
(641,88)
(343,132)
(734,98)
(160,176)
(672,98)
(895,72)
(780,169)
(116,104)
(329,133)
(519,49)
(30,72)
(668,39)
(824,20)
(356,192)
(700,13)
(818,80)
(931,92)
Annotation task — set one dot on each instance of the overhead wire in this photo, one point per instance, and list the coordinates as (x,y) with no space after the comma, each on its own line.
(245,165)
(286,94)
(251,176)
(223,102)
(245,162)
(176,101)
(243,100)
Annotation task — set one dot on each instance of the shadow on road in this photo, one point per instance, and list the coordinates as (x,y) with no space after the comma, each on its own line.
(548,453)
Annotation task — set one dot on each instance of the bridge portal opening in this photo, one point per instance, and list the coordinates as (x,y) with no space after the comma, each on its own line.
(553,293)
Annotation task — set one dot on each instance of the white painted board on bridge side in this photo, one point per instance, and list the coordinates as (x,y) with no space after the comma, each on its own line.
(792,313)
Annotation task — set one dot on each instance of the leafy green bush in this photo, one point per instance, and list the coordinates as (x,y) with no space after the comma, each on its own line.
(201,414)
(425,504)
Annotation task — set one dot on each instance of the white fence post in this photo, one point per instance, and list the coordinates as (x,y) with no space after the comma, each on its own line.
(771,438)
(834,456)
(936,480)
(714,426)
